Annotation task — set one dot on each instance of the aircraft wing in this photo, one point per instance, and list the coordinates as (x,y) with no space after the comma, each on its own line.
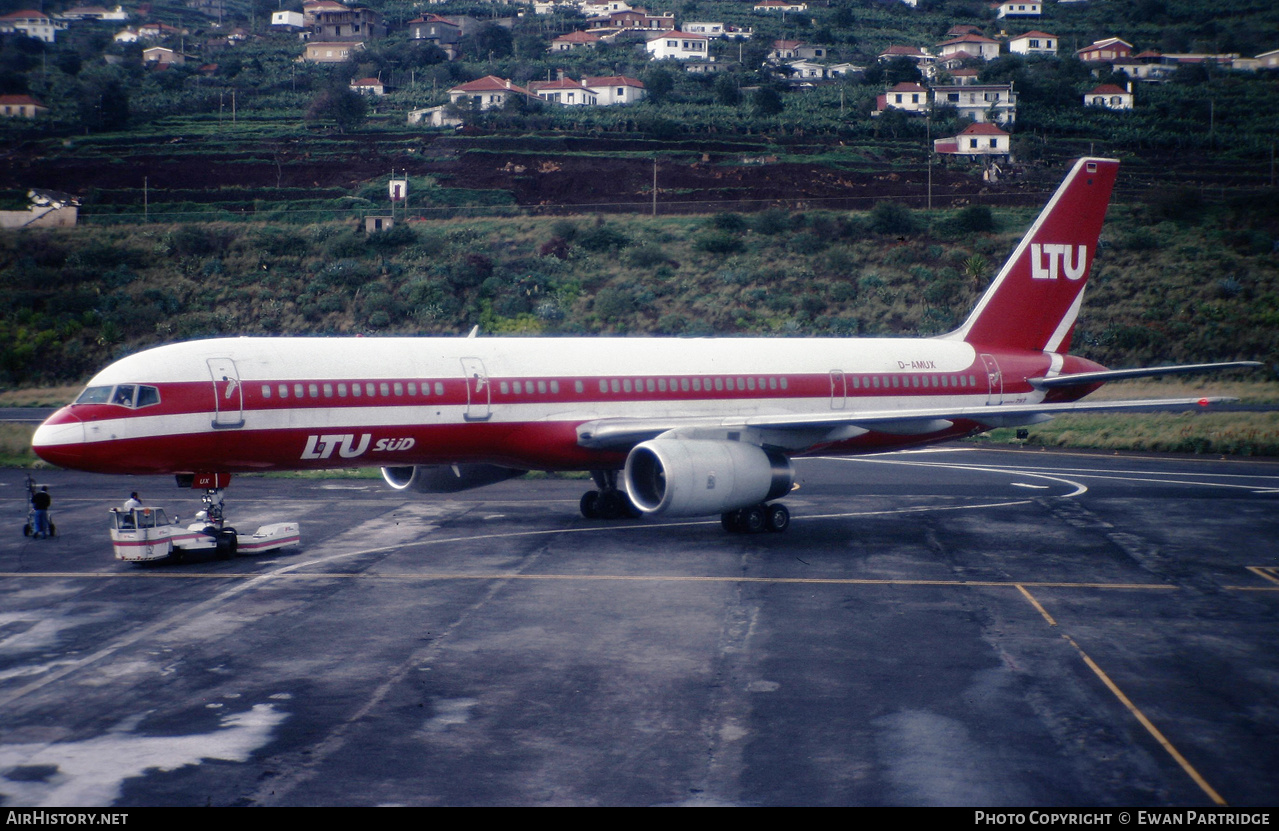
(801,430)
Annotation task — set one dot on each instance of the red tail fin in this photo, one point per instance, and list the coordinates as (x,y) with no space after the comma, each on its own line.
(1035,299)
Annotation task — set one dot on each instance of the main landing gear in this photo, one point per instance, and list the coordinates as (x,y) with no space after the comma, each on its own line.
(610,501)
(757,519)
(228,538)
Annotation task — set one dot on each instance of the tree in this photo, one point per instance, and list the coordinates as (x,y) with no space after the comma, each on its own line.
(659,83)
(339,105)
(726,90)
(767,101)
(489,42)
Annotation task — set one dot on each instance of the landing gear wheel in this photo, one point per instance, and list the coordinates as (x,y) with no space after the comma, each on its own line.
(731,520)
(590,505)
(778,517)
(753,520)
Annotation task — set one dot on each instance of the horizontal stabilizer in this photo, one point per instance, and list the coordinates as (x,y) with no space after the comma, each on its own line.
(1082,379)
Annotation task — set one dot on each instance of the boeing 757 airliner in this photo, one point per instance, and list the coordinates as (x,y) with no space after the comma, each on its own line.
(667,426)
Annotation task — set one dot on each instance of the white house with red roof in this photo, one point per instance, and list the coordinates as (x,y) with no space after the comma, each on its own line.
(1110,96)
(368,86)
(566,92)
(1034,43)
(575,40)
(979,46)
(616,89)
(907,96)
(1105,51)
(33,24)
(976,140)
(487,93)
(680,46)
(21,106)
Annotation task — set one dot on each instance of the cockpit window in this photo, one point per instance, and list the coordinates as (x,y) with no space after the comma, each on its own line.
(124,395)
(95,395)
(147,396)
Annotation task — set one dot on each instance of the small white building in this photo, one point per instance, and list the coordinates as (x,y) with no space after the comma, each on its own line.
(979,46)
(33,24)
(486,93)
(981,103)
(907,96)
(287,20)
(681,46)
(565,92)
(1034,43)
(1018,8)
(319,51)
(21,106)
(94,13)
(163,56)
(1110,96)
(616,89)
(976,140)
(575,40)
(368,86)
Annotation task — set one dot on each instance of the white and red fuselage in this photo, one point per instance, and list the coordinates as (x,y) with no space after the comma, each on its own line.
(258,404)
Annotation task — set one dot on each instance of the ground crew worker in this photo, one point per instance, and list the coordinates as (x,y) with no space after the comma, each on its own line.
(40,502)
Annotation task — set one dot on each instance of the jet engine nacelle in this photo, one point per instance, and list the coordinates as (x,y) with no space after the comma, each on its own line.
(697,477)
(446,478)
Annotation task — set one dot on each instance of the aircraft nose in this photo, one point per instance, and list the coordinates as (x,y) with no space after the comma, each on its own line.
(60,440)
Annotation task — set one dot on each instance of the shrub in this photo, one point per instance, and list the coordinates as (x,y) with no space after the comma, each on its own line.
(894,219)
(719,242)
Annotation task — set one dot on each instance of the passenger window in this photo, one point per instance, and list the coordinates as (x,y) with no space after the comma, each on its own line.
(541,387)
(555,386)
(412,388)
(314,390)
(399,389)
(266,390)
(504,387)
(439,387)
(297,391)
(385,389)
(341,390)
(284,390)
(328,390)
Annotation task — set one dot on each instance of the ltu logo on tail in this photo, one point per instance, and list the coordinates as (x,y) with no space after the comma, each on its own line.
(1045,260)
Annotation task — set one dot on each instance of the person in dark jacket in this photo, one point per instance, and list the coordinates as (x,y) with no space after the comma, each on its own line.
(40,502)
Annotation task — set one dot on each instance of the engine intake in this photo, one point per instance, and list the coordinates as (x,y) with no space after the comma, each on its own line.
(446,478)
(698,477)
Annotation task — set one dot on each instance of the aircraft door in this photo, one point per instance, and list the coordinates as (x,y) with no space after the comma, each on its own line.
(994,381)
(228,397)
(478,395)
(838,389)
